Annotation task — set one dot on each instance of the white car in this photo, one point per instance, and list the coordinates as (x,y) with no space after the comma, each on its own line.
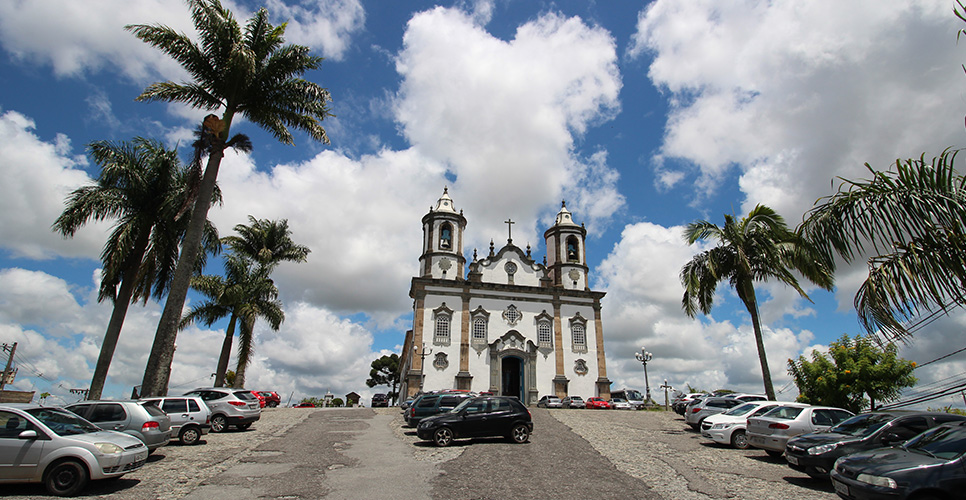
(63,451)
(729,427)
(620,404)
(772,430)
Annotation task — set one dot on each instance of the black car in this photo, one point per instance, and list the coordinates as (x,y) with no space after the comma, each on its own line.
(380,400)
(930,465)
(815,453)
(431,404)
(483,416)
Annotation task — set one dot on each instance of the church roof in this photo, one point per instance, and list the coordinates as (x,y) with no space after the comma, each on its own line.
(445,203)
(564,218)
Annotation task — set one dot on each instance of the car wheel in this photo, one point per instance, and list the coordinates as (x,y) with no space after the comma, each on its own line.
(739,440)
(66,478)
(520,433)
(774,453)
(443,436)
(219,423)
(272,404)
(244,427)
(189,436)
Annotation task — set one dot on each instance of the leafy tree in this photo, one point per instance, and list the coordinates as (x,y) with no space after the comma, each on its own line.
(913,223)
(385,371)
(337,402)
(229,377)
(758,247)
(248,71)
(143,186)
(854,370)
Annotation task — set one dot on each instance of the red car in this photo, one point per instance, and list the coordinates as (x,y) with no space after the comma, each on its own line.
(261,399)
(598,403)
(304,405)
(272,398)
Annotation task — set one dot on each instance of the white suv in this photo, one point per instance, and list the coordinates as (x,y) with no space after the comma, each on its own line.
(229,406)
(190,416)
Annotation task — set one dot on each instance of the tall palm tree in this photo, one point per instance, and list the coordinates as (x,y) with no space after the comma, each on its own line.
(247,71)
(758,247)
(244,294)
(142,185)
(910,227)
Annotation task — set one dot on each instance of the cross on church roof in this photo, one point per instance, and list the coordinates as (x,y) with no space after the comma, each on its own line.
(509,226)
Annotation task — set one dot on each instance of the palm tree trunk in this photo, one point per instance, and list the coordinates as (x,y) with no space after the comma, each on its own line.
(225,352)
(121,303)
(751,303)
(158,369)
(245,340)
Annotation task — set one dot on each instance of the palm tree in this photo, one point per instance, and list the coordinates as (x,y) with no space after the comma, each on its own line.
(247,71)
(245,293)
(759,247)
(910,225)
(142,185)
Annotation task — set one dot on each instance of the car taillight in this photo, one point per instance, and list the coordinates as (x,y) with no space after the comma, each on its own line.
(778,426)
(150,425)
(238,403)
(695,410)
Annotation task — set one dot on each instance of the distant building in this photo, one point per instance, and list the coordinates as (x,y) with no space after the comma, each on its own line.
(351,399)
(512,326)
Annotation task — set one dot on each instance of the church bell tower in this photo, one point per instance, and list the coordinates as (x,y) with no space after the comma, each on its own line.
(566,260)
(443,227)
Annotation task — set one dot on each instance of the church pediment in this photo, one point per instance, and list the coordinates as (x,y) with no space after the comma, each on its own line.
(511,265)
(514,341)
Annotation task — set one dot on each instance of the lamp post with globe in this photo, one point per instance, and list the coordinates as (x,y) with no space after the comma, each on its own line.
(644,357)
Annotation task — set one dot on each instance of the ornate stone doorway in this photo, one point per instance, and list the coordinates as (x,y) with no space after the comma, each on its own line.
(513,367)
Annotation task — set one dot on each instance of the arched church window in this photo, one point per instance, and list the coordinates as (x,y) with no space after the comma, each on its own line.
(545,334)
(573,254)
(479,330)
(579,336)
(442,330)
(446,236)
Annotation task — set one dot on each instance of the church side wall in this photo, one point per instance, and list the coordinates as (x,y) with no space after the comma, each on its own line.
(583,385)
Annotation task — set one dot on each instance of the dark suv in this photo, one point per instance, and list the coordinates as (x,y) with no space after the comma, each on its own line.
(431,404)
(380,400)
(479,417)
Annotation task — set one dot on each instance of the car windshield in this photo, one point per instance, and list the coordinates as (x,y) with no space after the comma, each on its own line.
(942,442)
(862,425)
(63,423)
(245,395)
(633,395)
(741,409)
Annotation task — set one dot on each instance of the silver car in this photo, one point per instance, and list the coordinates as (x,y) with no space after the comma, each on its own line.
(229,406)
(697,412)
(62,450)
(190,416)
(573,402)
(772,430)
(550,402)
(147,423)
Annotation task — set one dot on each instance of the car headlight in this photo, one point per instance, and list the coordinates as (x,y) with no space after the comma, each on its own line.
(108,448)
(825,448)
(885,482)
(721,426)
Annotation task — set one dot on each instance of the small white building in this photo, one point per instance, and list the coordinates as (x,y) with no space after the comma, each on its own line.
(511,326)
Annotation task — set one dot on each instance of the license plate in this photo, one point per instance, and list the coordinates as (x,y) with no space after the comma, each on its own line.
(841,488)
(756,439)
(792,460)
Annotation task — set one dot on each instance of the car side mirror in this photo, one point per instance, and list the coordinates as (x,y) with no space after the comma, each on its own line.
(890,438)
(31,434)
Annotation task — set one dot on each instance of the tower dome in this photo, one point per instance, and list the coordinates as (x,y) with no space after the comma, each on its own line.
(443,227)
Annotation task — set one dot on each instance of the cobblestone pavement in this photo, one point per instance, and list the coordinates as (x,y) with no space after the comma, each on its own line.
(309,453)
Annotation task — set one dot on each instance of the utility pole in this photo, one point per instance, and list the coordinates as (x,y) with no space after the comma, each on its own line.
(666,388)
(422,363)
(6,371)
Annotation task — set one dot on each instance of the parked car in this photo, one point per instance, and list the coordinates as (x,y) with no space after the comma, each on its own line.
(597,403)
(729,427)
(746,397)
(260,398)
(550,402)
(380,400)
(405,404)
(772,430)
(60,449)
(147,423)
(930,465)
(620,404)
(432,404)
(814,454)
(572,402)
(229,406)
(272,399)
(481,416)
(190,416)
(681,402)
(304,405)
(706,407)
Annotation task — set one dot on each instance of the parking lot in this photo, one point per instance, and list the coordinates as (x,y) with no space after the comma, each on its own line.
(367,453)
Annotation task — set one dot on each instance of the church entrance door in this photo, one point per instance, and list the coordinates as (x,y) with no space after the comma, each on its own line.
(512,368)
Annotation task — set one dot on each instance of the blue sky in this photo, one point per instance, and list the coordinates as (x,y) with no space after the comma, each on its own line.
(644,117)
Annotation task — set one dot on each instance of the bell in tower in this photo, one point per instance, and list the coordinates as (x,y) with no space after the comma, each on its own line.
(443,227)
(566,260)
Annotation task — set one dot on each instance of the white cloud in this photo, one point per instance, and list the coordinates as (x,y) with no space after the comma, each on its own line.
(328,25)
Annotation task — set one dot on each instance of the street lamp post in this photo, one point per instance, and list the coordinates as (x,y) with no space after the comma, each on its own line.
(644,357)
(422,363)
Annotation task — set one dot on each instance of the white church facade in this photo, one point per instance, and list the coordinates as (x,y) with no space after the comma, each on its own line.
(511,326)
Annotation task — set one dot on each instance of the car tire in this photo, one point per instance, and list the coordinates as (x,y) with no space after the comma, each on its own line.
(774,453)
(189,436)
(519,434)
(443,436)
(66,478)
(739,440)
(219,423)
(243,427)
(272,404)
